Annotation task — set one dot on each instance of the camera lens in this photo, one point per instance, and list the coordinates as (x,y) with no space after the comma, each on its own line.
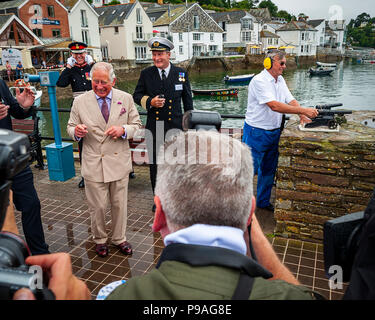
(13,250)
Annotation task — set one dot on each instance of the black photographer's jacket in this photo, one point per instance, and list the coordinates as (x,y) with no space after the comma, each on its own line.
(15,110)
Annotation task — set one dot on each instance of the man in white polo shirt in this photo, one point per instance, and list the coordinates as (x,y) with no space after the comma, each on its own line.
(268,99)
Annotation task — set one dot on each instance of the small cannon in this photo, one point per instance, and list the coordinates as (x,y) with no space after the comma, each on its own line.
(327,117)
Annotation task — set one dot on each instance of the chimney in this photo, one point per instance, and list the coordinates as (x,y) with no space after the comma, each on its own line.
(160,2)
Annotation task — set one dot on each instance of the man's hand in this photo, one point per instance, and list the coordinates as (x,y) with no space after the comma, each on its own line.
(3,110)
(26,98)
(115,132)
(157,102)
(310,112)
(89,59)
(62,282)
(303,119)
(70,62)
(80,130)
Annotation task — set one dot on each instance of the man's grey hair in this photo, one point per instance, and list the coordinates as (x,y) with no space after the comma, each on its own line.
(214,185)
(273,53)
(104,66)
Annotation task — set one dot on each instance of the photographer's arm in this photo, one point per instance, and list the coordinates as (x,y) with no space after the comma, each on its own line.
(267,256)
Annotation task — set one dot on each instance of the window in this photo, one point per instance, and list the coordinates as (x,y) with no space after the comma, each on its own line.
(211,37)
(302,49)
(245,24)
(38,32)
(224,37)
(56,33)
(139,16)
(180,37)
(85,37)
(84,19)
(37,10)
(196,22)
(140,53)
(51,11)
(139,32)
(269,40)
(181,49)
(275,41)
(302,36)
(223,25)
(116,30)
(245,36)
(196,36)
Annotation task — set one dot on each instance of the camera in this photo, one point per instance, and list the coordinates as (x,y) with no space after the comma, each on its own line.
(14,273)
(344,238)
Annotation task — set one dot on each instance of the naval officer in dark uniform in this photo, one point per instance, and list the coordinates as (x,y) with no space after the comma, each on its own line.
(160,90)
(77,74)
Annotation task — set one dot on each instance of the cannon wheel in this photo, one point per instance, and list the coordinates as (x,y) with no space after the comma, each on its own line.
(332,124)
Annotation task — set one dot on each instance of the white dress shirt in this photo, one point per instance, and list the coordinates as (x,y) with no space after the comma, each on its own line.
(166,71)
(264,88)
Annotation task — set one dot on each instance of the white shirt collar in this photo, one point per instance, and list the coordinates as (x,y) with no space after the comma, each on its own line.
(166,70)
(209,235)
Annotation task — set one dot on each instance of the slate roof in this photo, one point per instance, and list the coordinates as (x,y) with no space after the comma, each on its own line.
(315,23)
(11,4)
(262,14)
(296,25)
(168,17)
(113,15)
(4,19)
(268,34)
(228,16)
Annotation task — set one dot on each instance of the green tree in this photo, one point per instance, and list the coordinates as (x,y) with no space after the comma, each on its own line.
(244,4)
(271,7)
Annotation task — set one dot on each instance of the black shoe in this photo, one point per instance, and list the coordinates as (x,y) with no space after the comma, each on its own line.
(81,184)
(154,208)
(270,207)
(132,175)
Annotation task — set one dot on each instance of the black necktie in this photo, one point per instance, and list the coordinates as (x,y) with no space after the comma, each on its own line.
(163,77)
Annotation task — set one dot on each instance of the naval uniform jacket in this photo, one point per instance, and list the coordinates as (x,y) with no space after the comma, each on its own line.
(175,89)
(77,77)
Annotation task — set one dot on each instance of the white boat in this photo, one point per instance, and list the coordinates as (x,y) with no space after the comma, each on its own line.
(38,94)
(329,65)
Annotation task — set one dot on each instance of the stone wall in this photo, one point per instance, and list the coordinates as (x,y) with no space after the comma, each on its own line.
(322,176)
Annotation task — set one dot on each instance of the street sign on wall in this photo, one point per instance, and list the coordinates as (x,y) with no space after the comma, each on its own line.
(46,21)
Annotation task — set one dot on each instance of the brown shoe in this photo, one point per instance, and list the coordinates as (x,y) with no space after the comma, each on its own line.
(125,247)
(101,250)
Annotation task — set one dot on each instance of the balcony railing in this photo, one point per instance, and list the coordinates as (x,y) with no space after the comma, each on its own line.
(143,37)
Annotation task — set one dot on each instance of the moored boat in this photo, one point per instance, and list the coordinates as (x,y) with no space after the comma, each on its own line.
(244,78)
(323,64)
(320,71)
(216,92)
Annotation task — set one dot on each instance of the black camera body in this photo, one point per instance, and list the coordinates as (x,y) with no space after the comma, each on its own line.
(14,273)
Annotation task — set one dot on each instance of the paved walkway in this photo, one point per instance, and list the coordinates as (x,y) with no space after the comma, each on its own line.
(66,223)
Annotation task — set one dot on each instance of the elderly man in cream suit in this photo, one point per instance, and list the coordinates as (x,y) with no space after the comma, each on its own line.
(106,118)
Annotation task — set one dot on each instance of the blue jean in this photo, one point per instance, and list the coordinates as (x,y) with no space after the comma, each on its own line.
(264,145)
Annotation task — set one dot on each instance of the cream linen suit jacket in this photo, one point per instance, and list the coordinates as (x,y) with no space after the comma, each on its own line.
(105,159)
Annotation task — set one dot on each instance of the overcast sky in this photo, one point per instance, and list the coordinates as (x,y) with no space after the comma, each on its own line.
(319,9)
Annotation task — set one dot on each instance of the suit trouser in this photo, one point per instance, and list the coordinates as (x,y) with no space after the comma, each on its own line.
(26,200)
(264,146)
(98,195)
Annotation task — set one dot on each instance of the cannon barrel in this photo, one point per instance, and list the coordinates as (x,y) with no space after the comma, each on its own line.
(328,106)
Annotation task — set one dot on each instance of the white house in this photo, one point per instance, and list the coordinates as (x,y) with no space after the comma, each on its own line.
(99,3)
(320,26)
(339,28)
(124,31)
(192,31)
(241,29)
(300,35)
(84,26)
(269,40)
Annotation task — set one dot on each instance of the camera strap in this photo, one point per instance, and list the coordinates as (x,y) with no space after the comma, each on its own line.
(198,255)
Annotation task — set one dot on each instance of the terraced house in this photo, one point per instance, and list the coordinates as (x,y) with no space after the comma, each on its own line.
(192,31)
(124,31)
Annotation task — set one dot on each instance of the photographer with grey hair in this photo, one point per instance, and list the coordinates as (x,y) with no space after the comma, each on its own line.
(205,202)
(268,99)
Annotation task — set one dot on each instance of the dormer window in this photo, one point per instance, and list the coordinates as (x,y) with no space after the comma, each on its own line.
(196,22)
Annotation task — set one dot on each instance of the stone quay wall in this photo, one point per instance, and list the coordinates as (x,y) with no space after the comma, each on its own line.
(322,176)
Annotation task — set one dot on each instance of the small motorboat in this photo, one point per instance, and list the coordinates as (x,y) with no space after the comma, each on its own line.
(320,71)
(244,78)
(327,65)
(216,92)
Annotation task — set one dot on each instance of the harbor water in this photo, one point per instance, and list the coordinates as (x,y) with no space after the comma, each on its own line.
(353,85)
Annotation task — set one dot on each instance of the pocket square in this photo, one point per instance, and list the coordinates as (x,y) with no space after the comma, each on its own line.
(122,111)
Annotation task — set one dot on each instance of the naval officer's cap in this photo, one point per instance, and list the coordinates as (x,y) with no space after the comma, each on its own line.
(77,47)
(160,44)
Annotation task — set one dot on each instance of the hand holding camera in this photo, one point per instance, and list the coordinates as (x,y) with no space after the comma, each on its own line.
(158,101)
(70,62)
(89,59)
(3,109)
